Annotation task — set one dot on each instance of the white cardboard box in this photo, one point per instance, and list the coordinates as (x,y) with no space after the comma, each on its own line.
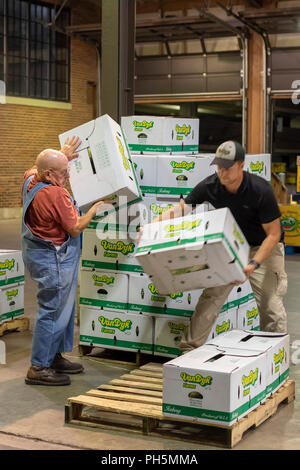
(115,253)
(248,317)
(168,332)
(259,164)
(240,294)
(113,330)
(146,173)
(144,297)
(225,321)
(178,176)
(11,267)
(193,252)
(274,345)
(11,302)
(104,290)
(156,134)
(104,168)
(214,385)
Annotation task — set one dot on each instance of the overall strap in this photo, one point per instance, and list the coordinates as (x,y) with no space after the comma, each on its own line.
(29,196)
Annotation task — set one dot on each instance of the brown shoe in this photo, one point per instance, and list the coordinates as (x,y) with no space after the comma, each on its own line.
(45,376)
(63,366)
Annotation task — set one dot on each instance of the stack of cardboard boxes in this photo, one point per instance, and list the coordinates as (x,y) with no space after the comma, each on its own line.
(149,164)
(11,285)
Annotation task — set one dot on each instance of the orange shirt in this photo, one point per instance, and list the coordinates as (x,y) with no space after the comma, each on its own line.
(51,213)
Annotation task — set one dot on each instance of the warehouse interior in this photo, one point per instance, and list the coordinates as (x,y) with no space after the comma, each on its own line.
(234,65)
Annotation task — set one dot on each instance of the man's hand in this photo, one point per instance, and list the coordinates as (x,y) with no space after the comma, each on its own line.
(248,270)
(70,147)
(140,233)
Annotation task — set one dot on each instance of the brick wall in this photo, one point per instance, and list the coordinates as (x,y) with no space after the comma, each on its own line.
(26,130)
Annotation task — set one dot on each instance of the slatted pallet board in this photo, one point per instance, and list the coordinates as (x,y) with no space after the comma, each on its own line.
(19,324)
(134,403)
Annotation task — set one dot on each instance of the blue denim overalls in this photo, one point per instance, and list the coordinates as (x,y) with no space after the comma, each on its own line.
(56,273)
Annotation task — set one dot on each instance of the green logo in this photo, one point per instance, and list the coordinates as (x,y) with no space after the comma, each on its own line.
(252,313)
(11,293)
(278,358)
(196,379)
(250,379)
(182,165)
(238,234)
(7,264)
(154,291)
(103,279)
(142,125)
(225,326)
(115,323)
(184,129)
(119,247)
(257,167)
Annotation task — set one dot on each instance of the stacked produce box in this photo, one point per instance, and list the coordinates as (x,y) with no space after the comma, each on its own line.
(11,285)
(120,307)
(226,378)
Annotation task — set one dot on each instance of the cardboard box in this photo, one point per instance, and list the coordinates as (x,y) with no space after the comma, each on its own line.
(146,173)
(225,321)
(214,385)
(193,252)
(105,290)
(11,267)
(240,294)
(248,317)
(168,332)
(178,176)
(259,164)
(11,302)
(274,345)
(144,297)
(156,134)
(290,222)
(114,253)
(104,168)
(113,330)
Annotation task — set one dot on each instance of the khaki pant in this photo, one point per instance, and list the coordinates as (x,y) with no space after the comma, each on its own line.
(269,284)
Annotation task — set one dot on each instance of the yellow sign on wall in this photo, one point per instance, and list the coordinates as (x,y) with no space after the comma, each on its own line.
(290,222)
(298,178)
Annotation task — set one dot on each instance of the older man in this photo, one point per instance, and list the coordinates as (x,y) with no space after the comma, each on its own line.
(252,203)
(51,227)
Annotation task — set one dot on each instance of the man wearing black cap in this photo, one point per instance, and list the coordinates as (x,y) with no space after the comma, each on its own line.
(253,205)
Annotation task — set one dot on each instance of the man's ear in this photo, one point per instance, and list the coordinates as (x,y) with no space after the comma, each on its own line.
(242,164)
(47,176)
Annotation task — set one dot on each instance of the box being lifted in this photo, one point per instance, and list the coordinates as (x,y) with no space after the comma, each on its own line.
(104,169)
(157,134)
(200,250)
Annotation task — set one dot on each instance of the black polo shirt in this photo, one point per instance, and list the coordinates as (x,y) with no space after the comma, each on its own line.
(252,205)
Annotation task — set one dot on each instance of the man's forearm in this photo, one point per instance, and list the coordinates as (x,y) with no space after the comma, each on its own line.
(266,248)
(179,210)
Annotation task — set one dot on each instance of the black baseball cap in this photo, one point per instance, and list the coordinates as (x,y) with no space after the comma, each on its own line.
(228,153)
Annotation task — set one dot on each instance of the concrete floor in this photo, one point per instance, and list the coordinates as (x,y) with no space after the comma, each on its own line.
(32,417)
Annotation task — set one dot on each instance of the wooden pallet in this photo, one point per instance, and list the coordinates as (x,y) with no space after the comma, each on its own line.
(19,324)
(134,403)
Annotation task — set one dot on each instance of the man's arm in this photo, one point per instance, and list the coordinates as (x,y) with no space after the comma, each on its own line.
(273,232)
(179,210)
(84,220)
